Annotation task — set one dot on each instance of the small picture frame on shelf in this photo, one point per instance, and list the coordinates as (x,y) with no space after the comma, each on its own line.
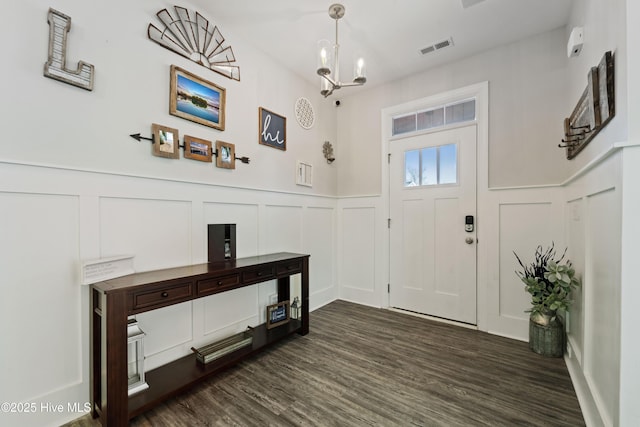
(277,314)
(226,155)
(166,141)
(196,99)
(197,149)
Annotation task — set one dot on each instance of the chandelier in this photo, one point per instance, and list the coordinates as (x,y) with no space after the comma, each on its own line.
(329,61)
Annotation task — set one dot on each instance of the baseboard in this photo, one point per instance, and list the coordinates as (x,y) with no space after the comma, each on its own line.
(592,417)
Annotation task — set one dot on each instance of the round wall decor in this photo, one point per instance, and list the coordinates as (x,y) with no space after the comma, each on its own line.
(304,113)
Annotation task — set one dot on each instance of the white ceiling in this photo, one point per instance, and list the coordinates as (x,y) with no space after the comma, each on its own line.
(388,33)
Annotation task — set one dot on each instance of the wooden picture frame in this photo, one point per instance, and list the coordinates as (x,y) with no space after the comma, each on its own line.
(272,129)
(225,155)
(197,149)
(196,99)
(166,141)
(277,314)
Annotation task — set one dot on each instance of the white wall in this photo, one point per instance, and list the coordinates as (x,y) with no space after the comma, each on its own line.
(604,23)
(534,195)
(527,94)
(630,293)
(59,124)
(74,186)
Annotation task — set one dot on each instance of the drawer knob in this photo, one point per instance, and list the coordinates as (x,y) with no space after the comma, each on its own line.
(219,282)
(164,294)
(259,273)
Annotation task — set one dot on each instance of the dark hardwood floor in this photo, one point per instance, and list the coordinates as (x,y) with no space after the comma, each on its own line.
(362,366)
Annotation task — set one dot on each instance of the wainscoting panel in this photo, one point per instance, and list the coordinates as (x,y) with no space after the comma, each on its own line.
(168,330)
(357,254)
(157,232)
(56,218)
(319,239)
(602,302)
(514,220)
(593,227)
(231,312)
(40,308)
(282,229)
(523,226)
(575,220)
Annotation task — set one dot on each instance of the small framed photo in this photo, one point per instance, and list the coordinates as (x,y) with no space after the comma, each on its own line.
(226,157)
(272,129)
(196,99)
(277,314)
(166,141)
(197,149)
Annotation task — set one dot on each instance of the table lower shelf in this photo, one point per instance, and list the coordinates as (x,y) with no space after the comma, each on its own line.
(176,377)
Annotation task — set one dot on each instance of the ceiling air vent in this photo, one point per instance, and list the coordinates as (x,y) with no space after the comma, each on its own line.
(437,46)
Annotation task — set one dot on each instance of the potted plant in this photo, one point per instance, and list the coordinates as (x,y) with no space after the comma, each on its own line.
(549,280)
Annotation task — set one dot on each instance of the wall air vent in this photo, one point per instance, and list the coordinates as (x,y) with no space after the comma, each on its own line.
(437,46)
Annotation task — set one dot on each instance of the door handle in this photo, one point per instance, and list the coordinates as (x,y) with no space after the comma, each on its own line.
(468,240)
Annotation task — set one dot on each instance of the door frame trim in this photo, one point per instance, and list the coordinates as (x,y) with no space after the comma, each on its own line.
(480,91)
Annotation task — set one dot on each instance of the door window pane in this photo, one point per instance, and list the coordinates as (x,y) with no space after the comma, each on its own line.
(448,164)
(462,111)
(412,168)
(430,119)
(404,124)
(431,166)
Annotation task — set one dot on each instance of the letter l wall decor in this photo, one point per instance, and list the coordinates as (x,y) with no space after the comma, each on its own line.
(56,67)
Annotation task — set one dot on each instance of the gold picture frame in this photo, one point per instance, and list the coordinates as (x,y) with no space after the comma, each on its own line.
(166,141)
(196,99)
(197,149)
(225,155)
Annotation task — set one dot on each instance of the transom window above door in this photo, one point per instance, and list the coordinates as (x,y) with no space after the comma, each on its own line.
(459,112)
(431,166)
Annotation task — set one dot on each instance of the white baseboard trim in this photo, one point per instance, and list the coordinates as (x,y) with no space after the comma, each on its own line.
(592,417)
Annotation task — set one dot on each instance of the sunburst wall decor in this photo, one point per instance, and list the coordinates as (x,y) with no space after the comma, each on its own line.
(196,39)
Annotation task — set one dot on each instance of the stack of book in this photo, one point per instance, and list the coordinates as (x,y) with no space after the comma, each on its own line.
(214,351)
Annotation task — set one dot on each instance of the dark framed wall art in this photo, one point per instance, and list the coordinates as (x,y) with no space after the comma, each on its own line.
(272,129)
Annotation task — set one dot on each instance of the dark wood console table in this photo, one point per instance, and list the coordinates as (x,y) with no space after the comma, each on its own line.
(114,300)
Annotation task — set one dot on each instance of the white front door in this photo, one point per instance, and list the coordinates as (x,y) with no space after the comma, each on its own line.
(432,184)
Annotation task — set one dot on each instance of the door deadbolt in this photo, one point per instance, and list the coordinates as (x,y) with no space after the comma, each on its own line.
(468,223)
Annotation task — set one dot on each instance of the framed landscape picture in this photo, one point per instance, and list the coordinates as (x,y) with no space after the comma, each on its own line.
(272,129)
(226,155)
(196,99)
(197,149)
(166,141)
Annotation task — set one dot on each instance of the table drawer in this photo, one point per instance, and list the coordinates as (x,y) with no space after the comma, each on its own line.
(292,267)
(259,274)
(159,297)
(211,286)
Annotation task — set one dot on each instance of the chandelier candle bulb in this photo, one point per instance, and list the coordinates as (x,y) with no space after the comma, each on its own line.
(324,49)
(359,72)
